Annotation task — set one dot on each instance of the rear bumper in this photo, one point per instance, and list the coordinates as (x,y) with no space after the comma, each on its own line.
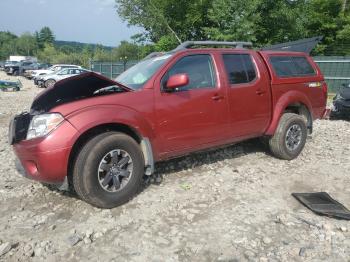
(46,159)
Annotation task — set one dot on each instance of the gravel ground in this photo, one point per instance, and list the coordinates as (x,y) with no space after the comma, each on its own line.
(232,204)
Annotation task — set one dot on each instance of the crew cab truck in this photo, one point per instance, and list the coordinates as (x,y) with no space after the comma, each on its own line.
(103,136)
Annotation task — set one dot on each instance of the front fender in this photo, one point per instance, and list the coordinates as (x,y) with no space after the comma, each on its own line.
(89,117)
(291,97)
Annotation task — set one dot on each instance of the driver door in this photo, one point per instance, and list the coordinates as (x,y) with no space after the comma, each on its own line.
(193,116)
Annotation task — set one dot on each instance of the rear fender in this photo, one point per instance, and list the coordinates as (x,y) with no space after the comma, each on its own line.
(289,98)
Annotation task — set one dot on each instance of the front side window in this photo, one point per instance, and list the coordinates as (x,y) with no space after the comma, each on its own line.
(199,69)
(291,66)
(239,68)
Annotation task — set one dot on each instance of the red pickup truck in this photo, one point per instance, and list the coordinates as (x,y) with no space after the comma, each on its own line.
(103,136)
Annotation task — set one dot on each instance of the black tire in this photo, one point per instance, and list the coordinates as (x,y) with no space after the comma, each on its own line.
(278,144)
(85,173)
(49,83)
(16,73)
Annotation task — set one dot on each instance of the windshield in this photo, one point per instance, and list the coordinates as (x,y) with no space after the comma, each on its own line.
(137,76)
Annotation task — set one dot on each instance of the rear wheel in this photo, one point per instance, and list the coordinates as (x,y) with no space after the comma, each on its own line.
(108,170)
(16,73)
(289,138)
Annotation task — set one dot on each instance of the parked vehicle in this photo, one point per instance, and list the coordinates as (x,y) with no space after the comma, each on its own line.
(105,135)
(341,103)
(41,66)
(49,80)
(20,58)
(10,85)
(20,67)
(9,64)
(37,74)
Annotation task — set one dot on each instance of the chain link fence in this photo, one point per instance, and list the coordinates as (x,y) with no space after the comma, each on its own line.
(111,69)
(336,69)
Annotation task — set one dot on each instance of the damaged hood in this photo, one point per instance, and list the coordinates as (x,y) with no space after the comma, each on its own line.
(71,89)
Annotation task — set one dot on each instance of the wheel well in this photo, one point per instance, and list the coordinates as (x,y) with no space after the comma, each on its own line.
(302,110)
(89,134)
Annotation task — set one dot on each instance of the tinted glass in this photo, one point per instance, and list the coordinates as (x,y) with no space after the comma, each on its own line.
(199,69)
(303,66)
(239,68)
(63,72)
(288,66)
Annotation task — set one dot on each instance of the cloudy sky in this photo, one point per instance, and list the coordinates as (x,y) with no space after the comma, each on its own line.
(88,21)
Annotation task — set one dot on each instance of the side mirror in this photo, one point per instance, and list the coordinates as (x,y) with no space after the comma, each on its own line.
(176,81)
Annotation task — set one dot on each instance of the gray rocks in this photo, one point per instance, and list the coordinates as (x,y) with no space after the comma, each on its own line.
(5,248)
(267,240)
(73,240)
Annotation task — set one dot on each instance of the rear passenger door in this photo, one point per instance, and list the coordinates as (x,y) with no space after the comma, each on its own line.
(249,97)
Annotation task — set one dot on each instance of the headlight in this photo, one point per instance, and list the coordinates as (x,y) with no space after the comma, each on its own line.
(43,124)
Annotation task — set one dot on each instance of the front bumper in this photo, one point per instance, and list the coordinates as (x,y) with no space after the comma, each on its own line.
(46,159)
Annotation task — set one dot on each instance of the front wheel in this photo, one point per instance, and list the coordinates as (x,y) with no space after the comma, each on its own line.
(289,138)
(49,83)
(108,170)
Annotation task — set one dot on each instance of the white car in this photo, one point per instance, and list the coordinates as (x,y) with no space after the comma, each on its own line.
(36,74)
(50,79)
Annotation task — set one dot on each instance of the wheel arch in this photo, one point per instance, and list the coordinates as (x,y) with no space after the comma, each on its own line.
(90,133)
(291,102)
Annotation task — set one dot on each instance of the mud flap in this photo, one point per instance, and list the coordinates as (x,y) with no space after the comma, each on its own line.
(323,204)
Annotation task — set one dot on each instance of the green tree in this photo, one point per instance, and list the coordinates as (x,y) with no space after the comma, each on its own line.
(45,36)
(329,19)
(232,20)
(48,54)
(100,54)
(126,51)
(183,19)
(7,45)
(26,44)
(279,21)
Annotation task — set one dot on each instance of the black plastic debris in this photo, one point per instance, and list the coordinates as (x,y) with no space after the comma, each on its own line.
(323,204)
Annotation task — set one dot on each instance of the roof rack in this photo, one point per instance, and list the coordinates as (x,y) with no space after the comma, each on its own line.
(188,44)
(153,54)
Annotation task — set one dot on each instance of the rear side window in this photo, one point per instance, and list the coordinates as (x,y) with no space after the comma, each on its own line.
(239,68)
(291,66)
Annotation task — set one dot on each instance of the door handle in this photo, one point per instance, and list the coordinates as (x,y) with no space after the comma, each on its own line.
(260,92)
(217,97)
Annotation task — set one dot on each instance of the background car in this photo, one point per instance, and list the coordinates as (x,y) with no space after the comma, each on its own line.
(341,103)
(50,79)
(37,74)
(10,85)
(20,67)
(40,66)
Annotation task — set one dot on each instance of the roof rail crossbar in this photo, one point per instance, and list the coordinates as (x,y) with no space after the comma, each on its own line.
(188,44)
(153,54)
